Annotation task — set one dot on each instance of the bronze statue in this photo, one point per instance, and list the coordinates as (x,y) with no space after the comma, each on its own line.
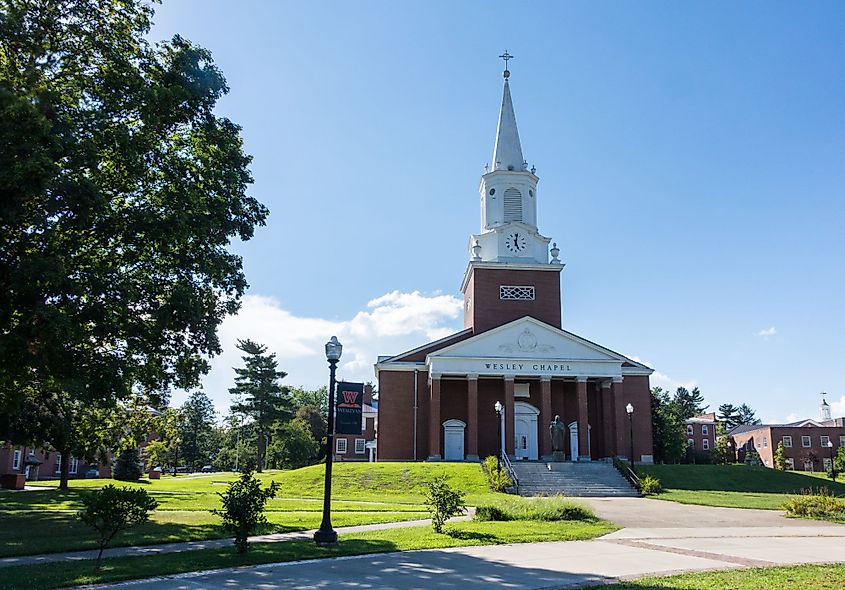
(557,430)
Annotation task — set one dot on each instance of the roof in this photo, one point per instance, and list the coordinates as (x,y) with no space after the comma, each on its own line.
(703,418)
(507,153)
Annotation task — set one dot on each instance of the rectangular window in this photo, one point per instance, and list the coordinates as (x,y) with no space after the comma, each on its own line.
(827,464)
(516,292)
(842,441)
(340,446)
(360,445)
(805,442)
(765,442)
(16,459)
(691,442)
(790,464)
(787,442)
(690,430)
(705,444)
(705,429)
(58,463)
(74,464)
(825,440)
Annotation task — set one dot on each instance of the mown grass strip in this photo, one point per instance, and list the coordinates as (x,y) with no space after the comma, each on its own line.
(57,575)
(798,577)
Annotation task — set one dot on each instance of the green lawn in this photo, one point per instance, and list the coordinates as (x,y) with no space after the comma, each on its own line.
(57,575)
(735,486)
(801,577)
(362,493)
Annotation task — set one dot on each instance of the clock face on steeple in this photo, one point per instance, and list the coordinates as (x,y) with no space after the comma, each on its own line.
(516,242)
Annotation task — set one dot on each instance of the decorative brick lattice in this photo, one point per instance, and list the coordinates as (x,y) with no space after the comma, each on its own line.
(511,293)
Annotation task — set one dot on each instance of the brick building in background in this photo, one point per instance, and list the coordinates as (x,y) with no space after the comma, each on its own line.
(437,402)
(808,444)
(36,463)
(701,432)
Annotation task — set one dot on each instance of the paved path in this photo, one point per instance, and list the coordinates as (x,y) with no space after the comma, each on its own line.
(659,538)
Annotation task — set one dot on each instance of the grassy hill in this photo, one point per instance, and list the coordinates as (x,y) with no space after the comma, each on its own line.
(736,486)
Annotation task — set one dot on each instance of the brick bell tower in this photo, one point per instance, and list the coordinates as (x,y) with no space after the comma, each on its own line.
(512,273)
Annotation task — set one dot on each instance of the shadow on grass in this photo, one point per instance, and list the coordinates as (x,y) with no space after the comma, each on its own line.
(738,478)
(471,536)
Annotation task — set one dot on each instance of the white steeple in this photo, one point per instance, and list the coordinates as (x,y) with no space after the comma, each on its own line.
(824,410)
(508,191)
(507,152)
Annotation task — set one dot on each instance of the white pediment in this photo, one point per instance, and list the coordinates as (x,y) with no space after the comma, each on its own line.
(529,347)
(529,338)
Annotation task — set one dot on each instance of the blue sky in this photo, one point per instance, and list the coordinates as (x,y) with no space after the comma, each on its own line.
(691,163)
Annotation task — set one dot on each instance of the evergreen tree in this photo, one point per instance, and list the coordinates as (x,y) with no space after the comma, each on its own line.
(259,394)
(128,466)
(689,403)
(745,415)
(729,415)
(667,428)
(780,457)
(196,429)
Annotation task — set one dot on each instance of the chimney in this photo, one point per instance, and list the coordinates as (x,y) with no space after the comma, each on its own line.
(368,394)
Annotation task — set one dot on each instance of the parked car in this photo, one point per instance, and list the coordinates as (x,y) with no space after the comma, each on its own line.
(207,469)
(92,473)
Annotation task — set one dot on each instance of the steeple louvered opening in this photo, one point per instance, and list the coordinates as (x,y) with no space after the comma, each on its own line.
(513,205)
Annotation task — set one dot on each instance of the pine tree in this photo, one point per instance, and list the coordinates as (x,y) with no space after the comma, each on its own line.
(746,415)
(259,394)
(689,403)
(196,430)
(729,415)
(780,457)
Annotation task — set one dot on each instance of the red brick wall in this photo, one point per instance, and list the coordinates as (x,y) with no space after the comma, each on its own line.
(765,440)
(698,436)
(635,390)
(396,415)
(487,310)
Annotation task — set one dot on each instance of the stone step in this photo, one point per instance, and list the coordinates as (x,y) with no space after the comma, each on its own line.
(587,479)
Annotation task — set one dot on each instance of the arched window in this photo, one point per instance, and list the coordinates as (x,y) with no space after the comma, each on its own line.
(513,205)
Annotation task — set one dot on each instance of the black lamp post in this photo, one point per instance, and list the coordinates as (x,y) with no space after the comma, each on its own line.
(326,535)
(832,459)
(499,408)
(630,410)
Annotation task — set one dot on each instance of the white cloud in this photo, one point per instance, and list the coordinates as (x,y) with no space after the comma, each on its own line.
(792,418)
(662,379)
(767,333)
(392,323)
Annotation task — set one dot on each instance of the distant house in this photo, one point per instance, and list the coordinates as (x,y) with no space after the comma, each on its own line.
(363,447)
(37,463)
(808,444)
(701,432)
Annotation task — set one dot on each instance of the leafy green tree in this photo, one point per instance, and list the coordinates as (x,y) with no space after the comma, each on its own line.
(839,461)
(668,432)
(689,403)
(260,395)
(745,415)
(196,430)
(723,453)
(293,446)
(110,510)
(243,507)
(314,419)
(780,457)
(121,190)
(443,501)
(315,398)
(729,416)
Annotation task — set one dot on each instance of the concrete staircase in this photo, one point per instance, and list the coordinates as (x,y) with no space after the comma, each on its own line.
(587,479)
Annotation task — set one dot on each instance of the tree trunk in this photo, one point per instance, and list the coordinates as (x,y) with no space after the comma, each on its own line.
(262,450)
(65,468)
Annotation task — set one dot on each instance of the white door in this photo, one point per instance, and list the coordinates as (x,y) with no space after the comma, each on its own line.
(525,431)
(573,440)
(453,440)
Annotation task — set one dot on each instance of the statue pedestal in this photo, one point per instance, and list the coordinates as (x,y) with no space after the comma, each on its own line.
(558,457)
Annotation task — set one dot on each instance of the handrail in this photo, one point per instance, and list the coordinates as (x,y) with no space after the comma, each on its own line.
(625,469)
(511,473)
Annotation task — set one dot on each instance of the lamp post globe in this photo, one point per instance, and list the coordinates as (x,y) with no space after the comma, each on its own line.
(326,535)
(498,407)
(630,411)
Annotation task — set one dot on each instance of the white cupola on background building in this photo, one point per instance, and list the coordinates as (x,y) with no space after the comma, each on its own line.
(824,410)
(508,192)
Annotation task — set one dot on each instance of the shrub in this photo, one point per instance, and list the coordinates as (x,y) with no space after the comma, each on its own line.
(780,457)
(752,459)
(128,466)
(243,507)
(109,510)
(816,503)
(554,508)
(497,479)
(650,485)
(443,502)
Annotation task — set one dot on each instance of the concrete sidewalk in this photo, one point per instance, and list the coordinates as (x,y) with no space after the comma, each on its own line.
(622,555)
